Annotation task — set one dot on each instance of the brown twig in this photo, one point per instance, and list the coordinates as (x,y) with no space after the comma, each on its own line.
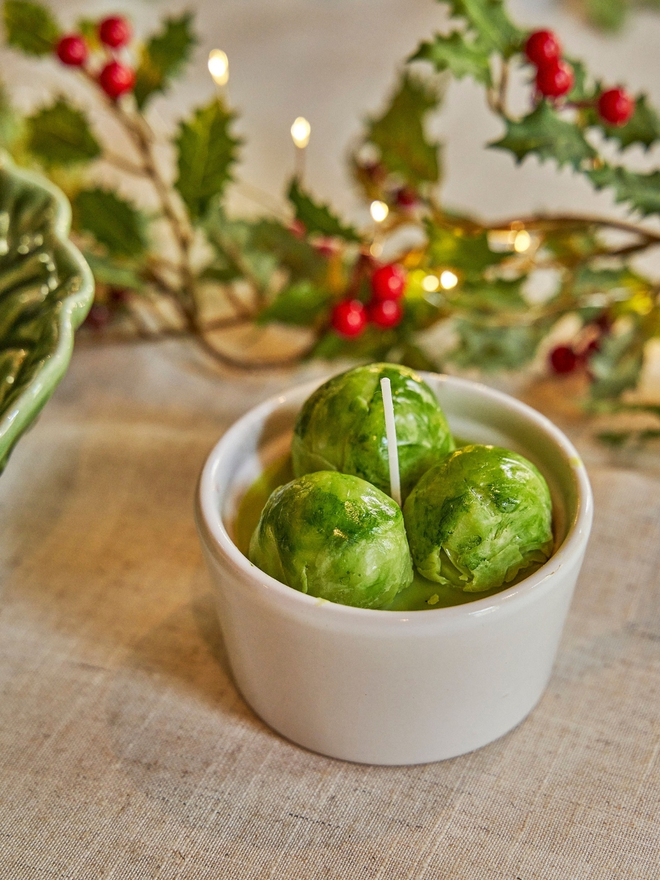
(123,164)
(541,221)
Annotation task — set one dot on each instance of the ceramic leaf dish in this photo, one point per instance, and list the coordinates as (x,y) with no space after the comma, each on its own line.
(46,289)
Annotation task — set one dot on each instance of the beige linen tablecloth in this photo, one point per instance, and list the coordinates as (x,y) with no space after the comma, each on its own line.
(126,752)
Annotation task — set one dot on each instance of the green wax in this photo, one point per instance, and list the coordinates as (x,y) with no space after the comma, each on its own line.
(421,595)
(253,502)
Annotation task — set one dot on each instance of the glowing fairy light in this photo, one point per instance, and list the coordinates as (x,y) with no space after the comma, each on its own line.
(522,241)
(218,64)
(300,132)
(448,279)
(379,211)
(430,283)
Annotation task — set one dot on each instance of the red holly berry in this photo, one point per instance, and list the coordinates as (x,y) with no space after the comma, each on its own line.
(72,50)
(349,318)
(388,282)
(386,313)
(555,79)
(406,197)
(114,32)
(116,79)
(542,48)
(563,359)
(616,106)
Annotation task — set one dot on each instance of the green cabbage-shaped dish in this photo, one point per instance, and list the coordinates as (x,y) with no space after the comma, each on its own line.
(46,289)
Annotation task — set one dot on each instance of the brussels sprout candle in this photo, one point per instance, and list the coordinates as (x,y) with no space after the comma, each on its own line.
(392,447)
(478,518)
(341,427)
(336,537)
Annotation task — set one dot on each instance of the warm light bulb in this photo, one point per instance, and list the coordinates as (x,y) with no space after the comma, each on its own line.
(430,283)
(300,132)
(448,279)
(522,242)
(219,67)
(379,211)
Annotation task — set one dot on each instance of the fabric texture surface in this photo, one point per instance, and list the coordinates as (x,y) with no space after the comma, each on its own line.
(126,752)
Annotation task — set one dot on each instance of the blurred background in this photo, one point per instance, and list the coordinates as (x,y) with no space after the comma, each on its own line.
(333,61)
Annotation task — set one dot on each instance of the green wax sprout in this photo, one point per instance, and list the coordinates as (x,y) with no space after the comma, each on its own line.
(341,427)
(336,537)
(479,518)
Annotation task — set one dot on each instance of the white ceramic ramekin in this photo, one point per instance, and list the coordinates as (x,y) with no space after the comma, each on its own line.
(385,687)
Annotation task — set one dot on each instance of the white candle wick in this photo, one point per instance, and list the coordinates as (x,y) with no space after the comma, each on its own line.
(392,448)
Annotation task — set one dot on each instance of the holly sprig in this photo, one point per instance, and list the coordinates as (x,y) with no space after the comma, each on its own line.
(609,15)
(466,293)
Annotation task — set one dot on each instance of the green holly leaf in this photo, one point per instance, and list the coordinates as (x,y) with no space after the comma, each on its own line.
(207,151)
(300,304)
(109,271)
(492,348)
(294,254)
(589,281)
(607,15)
(640,191)
(373,344)
(643,127)
(582,90)
(60,135)
(459,55)
(30,27)
(413,356)
(491,296)
(113,222)
(89,29)
(469,255)
(572,243)
(545,134)
(162,58)
(235,249)
(489,21)
(317,217)
(618,364)
(221,270)
(399,132)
